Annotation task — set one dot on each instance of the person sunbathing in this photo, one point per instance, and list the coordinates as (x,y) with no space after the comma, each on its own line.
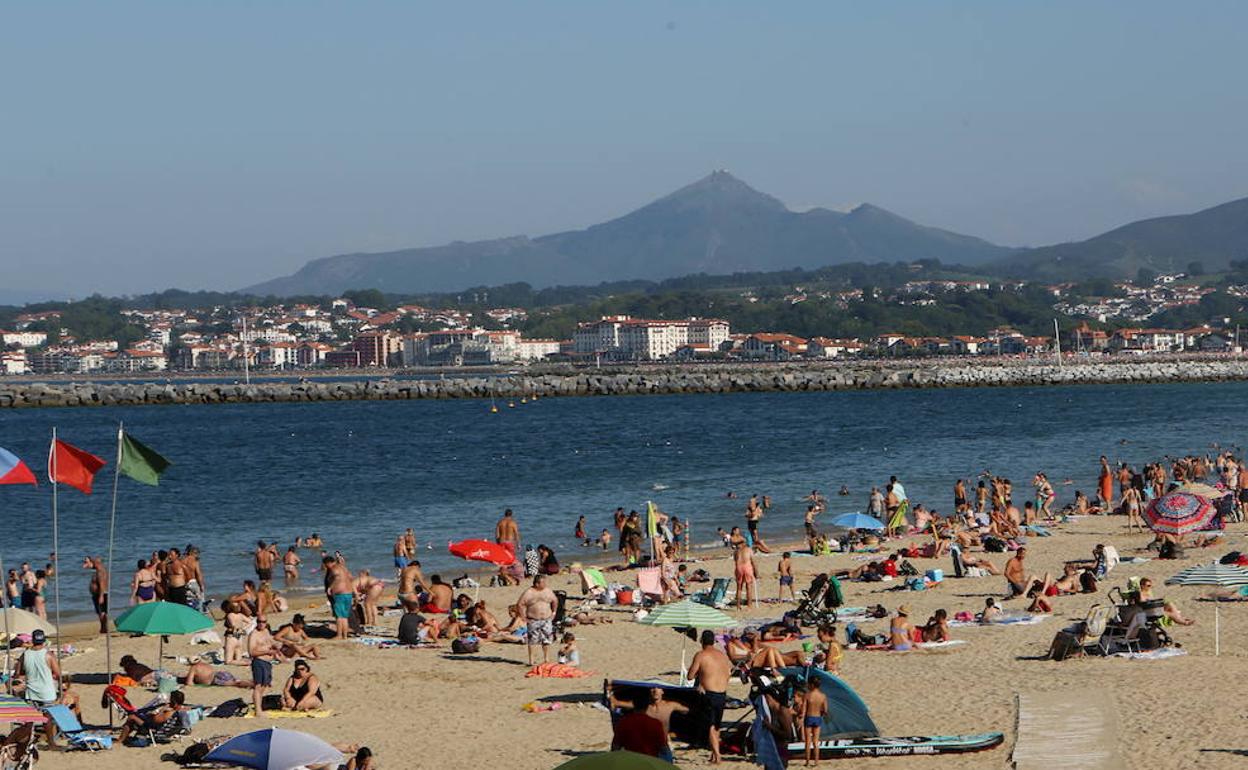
(303,689)
(751,651)
(984,564)
(137,671)
(155,718)
(780,631)
(203,674)
(900,632)
(293,640)
(1070,582)
(937,627)
(1172,612)
(991,613)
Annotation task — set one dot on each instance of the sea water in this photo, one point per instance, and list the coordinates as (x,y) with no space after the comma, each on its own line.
(360,472)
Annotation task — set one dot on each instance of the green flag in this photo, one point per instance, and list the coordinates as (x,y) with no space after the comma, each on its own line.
(139,462)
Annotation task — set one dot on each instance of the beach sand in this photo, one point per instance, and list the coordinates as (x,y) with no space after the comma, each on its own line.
(427,708)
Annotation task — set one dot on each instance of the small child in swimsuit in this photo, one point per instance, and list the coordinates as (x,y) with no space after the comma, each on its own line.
(814,708)
(785,568)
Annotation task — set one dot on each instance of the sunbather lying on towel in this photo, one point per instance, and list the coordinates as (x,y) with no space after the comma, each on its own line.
(202,673)
(750,650)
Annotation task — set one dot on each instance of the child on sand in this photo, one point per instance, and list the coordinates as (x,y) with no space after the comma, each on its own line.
(568,654)
(813,708)
(785,568)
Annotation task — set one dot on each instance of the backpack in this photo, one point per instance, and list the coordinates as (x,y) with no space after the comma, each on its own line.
(994,545)
(465,645)
(906,568)
(231,708)
(1230,558)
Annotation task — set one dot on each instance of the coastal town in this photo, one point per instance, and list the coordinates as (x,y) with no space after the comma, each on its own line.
(338,334)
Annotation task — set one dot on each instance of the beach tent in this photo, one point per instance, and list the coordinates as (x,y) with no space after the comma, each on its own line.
(848,716)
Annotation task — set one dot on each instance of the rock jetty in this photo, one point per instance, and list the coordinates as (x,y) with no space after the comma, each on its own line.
(622,381)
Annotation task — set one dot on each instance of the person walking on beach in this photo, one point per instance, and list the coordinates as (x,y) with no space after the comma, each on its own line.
(536,607)
(710,670)
(785,570)
(340,589)
(506,532)
(99,589)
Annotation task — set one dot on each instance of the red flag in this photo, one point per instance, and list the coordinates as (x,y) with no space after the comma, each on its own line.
(67,464)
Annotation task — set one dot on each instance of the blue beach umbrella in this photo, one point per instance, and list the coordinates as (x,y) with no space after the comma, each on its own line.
(275,749)
(856,521)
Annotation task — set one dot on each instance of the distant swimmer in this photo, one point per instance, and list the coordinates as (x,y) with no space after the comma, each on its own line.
(844,492)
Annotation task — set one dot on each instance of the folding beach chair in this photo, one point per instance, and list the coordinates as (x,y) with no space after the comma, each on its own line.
(593,582)
(18,751)
(650,582)
(715,596)
(79,738)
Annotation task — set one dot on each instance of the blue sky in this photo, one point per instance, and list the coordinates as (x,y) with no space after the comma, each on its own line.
(212,145)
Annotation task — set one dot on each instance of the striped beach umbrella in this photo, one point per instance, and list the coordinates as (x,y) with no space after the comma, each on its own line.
(1212,574)
(1179,512)
(688,614)
(15,710)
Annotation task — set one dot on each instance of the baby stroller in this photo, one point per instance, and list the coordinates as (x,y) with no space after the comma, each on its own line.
(818,604)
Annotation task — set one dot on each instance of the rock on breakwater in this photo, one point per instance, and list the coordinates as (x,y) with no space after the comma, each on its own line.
(624,382)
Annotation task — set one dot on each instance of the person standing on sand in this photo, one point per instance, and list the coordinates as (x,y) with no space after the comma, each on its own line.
(176,578)
(99,589)
(263,653)
(411,583)
(536,607)
(194,576)
(340,589)
(710,670)
(743,571)
(506,532)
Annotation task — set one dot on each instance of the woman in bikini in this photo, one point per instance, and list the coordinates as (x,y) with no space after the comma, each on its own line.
(235,633)
(143,585)
(369,589)
(1133,504)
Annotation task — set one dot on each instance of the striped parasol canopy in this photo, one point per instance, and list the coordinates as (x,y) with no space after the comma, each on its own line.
(17,710)
(1213,574)
(1179,512)
(688,614)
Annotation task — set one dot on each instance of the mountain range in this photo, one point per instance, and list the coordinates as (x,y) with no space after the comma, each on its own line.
(721,225)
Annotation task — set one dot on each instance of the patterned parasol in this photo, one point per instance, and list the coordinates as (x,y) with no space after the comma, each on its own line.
(1179,512)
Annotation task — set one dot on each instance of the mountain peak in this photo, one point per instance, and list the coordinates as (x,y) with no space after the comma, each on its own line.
(720,189)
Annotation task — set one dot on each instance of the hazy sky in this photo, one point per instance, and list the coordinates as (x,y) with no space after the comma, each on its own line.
(212,145)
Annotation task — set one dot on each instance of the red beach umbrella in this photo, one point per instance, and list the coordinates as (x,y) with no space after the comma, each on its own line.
(1179,512)
(483,550)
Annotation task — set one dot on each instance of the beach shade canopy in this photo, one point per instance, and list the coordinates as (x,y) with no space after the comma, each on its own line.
(1204,490)
(616,760)
(483,550)
(275,749)
(1214,574)
(16,710)
(688,614)
(15,622)
(1179,512)
(847,713)
(162,618)
(856,521)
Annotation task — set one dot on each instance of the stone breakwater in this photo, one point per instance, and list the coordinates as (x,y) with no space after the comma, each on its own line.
(622,382)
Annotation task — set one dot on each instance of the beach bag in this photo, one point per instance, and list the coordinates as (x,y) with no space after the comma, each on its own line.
(906,568)
(1230,558)
(916,584)
(466,645)
(994,545)
(1087,582)
(231,708)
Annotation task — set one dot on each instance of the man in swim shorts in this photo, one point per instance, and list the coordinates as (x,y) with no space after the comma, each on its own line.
(536,607)
(340,589)
(711,670)
(814,707)
(743,571)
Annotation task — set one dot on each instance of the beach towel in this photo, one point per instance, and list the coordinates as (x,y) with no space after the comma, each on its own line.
(1063,729)
(316,714)
(1007,620)
(556,671)
(1160,654)
(898,519)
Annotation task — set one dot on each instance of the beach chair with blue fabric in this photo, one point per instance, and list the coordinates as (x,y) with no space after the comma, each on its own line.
(78,737)
(716,595)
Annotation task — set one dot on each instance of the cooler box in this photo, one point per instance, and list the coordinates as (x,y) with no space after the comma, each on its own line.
(624,596)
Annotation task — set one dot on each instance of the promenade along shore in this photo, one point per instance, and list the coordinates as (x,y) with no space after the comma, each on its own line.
(627,381)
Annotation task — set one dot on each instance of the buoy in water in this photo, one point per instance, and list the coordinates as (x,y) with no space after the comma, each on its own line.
(511,404)
(493,409)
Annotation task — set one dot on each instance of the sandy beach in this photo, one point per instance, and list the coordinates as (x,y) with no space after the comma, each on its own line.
(427,708)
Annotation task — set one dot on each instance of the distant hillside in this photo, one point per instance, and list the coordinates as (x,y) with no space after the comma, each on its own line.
(716,225)
(1212,237)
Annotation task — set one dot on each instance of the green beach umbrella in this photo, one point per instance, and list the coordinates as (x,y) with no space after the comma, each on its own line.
(161,618)
(687,614)
(616,760)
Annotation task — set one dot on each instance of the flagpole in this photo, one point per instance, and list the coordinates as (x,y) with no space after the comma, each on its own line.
(56,563)
(108,595)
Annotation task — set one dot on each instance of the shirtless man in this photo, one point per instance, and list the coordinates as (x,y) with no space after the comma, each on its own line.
(340,589)
(401,555)
(506,532)
(202,673)
(263,652)
(266,556)
(99,589)
(439,596)
(711,670)
(290,565)
(1016,574)
(411,584)
(294,640)
(536,608)
(176,578)
(194,573)
(743,571)
(409,540)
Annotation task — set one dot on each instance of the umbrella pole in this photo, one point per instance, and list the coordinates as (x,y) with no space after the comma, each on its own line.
(56,561)
(8,638)
(1217,630)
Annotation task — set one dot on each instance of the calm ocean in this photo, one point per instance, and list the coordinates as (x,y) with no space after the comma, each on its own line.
(359,472)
